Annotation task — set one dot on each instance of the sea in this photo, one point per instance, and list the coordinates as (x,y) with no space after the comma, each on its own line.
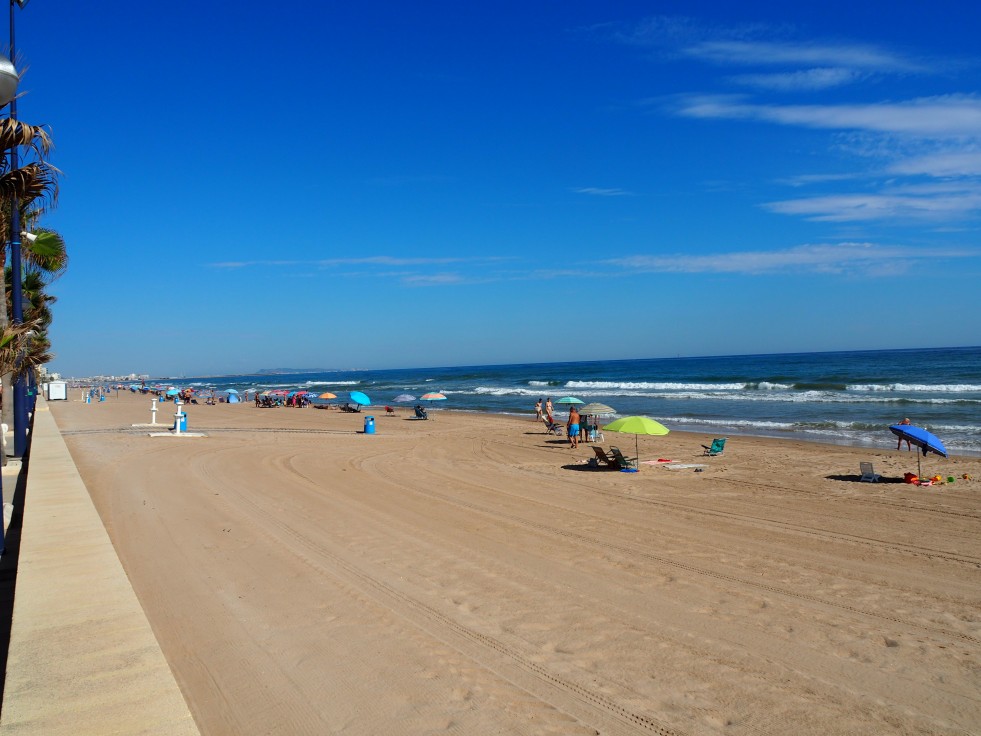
(845,398)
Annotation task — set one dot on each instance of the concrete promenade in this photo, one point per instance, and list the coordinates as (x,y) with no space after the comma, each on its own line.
(82,657)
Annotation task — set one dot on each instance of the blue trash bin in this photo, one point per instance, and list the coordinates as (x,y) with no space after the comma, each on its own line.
(369,425)
(183,420)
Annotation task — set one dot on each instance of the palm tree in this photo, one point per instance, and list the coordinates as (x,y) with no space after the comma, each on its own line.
(33,186)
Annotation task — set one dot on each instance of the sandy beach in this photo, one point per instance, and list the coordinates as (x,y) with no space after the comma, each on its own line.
(472,575)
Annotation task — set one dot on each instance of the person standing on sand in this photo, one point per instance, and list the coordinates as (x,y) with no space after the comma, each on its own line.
(899,445)
(573,425)
(548,408)
(538,410)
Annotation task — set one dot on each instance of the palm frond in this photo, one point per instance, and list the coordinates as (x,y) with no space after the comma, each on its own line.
(14,338)
(47,253)
(18,133)
(32,185)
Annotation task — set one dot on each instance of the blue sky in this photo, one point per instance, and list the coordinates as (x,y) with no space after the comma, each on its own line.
(326,184)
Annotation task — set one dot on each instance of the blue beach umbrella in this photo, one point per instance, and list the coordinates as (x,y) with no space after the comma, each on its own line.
(359,398)
(230,391)
(921,438)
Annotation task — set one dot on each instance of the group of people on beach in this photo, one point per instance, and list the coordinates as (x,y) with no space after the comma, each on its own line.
(577,427)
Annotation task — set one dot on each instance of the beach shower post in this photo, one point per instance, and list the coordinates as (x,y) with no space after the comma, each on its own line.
(153,411)
(178,416)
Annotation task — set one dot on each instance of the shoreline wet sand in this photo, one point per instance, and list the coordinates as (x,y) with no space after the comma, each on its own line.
(471,574)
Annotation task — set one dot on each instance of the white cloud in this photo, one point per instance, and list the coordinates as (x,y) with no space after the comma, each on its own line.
(945,164)
(813,258)
(948,116)
(769,53)
(599,192)
(928,202)
(805,80)
(433,279)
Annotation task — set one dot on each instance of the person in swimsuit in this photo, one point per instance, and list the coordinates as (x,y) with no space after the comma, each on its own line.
(573,425)
(899,445)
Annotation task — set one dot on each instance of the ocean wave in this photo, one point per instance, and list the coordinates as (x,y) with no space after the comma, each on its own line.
(655,386)
(916,387)
(741,423)
(780,397)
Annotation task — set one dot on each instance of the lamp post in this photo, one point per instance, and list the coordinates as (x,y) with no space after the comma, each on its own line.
(8,90)
(16,286)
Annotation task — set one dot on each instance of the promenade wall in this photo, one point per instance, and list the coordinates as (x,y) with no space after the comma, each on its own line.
(83,658)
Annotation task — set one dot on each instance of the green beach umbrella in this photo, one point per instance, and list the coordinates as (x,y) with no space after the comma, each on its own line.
(570,400)
(637,426)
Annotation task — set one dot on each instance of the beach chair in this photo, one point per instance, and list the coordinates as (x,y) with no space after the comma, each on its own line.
(623,463)
(716,448)
(389,411)
(553,427)
(868,474)
(421,413)
(603,458)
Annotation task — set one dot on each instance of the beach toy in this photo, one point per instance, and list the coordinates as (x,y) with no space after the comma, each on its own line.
(910,478)
(950,479)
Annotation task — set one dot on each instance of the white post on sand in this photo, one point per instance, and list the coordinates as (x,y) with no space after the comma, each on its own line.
(177,416)
(153,412)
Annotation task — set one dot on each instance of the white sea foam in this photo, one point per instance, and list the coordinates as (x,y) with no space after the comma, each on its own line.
(916,387)
(654,386)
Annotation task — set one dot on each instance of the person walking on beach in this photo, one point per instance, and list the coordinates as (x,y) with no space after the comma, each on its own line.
(899,445)
(573,425)
(538,410)
(548,408)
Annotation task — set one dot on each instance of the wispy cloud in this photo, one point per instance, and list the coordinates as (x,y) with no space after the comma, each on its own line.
(941,164)
(600,192)
(388,261)
(837,258)
(798,81)
(770,53)
(434,279)
(409,179)
(927,202)
(948,116)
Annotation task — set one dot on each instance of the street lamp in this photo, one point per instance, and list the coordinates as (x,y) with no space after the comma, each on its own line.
(8,81)
(16,285)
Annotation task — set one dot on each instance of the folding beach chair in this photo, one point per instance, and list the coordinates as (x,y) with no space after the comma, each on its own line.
(553,427)
(604,459)
(624,463)
(868,474)
(717,447)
